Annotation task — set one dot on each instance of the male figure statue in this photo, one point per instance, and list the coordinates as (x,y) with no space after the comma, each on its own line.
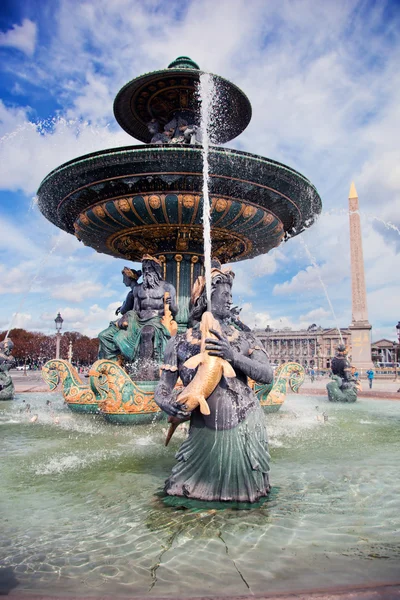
(130,279)
(343,387)
(141,334)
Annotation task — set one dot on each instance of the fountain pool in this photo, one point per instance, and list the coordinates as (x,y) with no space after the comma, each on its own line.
(81,514)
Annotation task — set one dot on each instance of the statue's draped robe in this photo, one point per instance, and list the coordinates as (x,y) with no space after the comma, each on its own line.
(225,457)
(115,341)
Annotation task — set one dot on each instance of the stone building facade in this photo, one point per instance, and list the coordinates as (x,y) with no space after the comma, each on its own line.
(312,347)
(384,351)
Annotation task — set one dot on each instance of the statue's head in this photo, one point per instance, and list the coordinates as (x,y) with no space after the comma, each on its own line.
(341,349)
(129,276)
(153,126)
(221,293)
(152,271)
(6,346)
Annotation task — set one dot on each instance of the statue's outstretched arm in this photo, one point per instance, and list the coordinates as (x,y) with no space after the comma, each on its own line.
(128,304)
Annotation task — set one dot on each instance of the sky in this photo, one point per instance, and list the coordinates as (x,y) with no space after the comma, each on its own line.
(324,84)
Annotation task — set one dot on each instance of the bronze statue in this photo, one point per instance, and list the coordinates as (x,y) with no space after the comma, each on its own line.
(225,457)
(140,332)
(6,363)
(158,137)
(344,386)
(130,279)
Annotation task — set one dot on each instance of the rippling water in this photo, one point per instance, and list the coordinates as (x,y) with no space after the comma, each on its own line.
(81,514)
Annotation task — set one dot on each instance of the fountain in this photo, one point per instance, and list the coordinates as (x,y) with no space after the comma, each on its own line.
(82,516)
(144,203)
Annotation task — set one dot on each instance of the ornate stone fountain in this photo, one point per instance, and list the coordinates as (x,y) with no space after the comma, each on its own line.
(147,199)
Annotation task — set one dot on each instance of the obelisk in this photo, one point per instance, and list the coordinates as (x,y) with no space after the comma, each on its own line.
(360,326)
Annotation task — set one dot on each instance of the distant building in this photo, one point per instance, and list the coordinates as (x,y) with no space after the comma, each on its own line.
(312,347)
(383,351)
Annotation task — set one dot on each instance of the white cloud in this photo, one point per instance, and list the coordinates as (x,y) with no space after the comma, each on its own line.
(42,147)
(20,320)
(315,316)
(78,291)
(88,322)
(22,37)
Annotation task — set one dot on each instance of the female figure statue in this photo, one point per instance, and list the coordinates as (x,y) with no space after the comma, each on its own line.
(225,457)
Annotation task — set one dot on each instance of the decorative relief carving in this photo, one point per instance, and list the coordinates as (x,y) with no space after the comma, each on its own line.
(155,201)
(188,200)
(249,211)
(123,204)
(99,211)
(268,219)
(84,219)
(221,205)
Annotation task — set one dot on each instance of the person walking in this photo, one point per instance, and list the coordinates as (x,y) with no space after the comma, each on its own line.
(370,375)
(312,375)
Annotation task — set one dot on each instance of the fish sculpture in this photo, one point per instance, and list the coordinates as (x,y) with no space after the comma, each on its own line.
(209,373)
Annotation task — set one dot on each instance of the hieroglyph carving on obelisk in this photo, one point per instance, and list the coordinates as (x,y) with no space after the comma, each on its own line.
(360,327)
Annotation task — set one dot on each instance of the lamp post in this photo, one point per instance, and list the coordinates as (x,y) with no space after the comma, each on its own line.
(58,321)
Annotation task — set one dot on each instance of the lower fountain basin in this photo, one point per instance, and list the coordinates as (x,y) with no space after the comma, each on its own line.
(82,515)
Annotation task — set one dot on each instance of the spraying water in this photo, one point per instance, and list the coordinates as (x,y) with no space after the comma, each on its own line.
(34,278)
(206,93)
(387,224)
(316,267)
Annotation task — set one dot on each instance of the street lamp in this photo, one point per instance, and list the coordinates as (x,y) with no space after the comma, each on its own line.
(395,344)
(58,321)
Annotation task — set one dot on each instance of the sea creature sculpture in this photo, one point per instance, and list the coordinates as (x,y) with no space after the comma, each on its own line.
(210,371)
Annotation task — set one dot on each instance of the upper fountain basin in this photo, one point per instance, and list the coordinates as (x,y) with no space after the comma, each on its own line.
(161,95)
(132,200)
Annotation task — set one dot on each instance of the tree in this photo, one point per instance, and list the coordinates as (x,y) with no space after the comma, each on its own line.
(35,348)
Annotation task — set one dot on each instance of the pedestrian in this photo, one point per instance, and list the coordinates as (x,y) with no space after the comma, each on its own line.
(370,375)
(312,375)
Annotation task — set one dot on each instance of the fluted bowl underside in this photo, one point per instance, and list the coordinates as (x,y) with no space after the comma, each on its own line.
(129,201)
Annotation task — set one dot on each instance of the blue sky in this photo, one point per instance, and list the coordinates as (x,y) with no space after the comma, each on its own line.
(324,84)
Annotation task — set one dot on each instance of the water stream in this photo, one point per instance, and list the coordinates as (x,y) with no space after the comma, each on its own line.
(206,94)
(317,270)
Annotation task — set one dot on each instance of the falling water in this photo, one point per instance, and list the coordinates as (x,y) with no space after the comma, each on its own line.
(206,93)
(316,267)
(387,224)
(34,278)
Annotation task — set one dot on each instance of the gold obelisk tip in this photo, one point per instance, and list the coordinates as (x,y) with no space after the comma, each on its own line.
(353,191)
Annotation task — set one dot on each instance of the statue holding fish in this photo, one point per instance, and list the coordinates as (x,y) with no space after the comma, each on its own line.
(225,457)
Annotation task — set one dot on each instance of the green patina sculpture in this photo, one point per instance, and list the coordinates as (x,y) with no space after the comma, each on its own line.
(141,335)
(225,457)
(343,387)
(6,363)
